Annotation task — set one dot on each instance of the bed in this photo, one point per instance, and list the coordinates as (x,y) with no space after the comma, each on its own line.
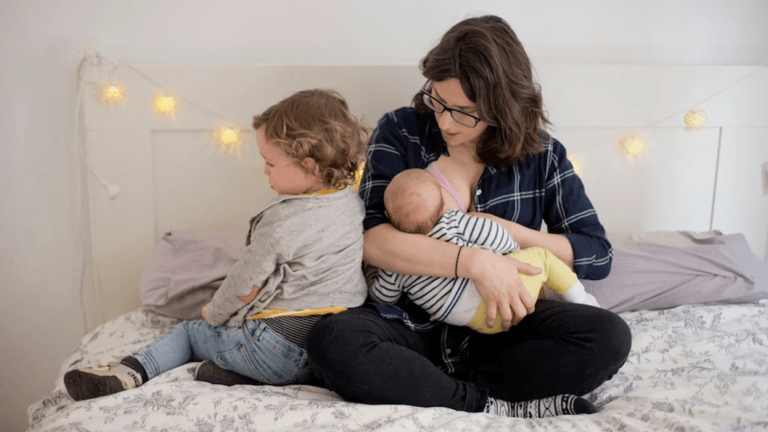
(696,299)
(691,368)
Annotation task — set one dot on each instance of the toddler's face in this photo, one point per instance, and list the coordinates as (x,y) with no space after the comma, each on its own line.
(286,176)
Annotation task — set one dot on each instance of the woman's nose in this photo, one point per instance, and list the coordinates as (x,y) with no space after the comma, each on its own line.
(445,121)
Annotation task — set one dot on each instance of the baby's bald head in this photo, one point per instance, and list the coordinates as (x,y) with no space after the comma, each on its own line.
(414,201)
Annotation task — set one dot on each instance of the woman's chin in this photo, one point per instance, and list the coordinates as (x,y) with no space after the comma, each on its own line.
(451,139)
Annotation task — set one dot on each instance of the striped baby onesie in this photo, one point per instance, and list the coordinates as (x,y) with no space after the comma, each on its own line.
(451,300)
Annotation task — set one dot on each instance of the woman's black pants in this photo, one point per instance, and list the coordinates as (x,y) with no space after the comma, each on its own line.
(561,348)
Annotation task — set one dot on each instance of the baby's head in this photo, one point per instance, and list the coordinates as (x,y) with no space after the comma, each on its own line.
(413,201)
(314,131)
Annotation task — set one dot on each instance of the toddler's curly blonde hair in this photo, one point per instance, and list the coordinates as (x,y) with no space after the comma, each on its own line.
(317,124)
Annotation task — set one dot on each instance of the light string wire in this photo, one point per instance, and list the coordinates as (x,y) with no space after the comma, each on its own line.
(78,142)
(679,113)
(80,230)
(162,86)
(676,114)
(222,125)
(717,171)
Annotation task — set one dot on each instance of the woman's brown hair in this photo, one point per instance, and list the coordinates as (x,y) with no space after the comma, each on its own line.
(317,124)
(495,73)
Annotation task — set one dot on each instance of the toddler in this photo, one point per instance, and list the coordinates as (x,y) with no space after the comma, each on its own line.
(302,259)
(414,204)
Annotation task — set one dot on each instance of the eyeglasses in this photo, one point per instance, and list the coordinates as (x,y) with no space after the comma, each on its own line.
(435,105)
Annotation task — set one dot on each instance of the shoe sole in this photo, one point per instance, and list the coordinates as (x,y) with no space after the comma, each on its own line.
(209,372)
(88,385)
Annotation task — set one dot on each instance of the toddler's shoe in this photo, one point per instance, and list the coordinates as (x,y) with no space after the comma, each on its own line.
(210,372)
(87,383)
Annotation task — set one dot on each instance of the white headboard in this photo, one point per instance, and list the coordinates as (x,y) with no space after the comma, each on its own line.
(172,177)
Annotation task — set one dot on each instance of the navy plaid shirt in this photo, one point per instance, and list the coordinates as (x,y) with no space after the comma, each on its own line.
(540,188)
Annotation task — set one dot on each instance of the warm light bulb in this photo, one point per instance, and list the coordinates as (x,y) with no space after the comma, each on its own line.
(165,103)
(576,162)
(632,145)
(695,119)
(110,92)
(227,137)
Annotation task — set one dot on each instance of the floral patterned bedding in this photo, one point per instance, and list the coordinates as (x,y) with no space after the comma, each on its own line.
(691,368)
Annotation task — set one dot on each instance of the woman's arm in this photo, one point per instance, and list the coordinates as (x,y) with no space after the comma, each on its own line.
(527,237)
(569,213)
(384,246)
(496,277)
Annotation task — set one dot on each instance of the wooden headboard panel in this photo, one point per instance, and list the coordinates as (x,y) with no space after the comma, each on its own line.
(172,177)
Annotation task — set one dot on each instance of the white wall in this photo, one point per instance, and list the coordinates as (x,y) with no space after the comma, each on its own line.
(41,258)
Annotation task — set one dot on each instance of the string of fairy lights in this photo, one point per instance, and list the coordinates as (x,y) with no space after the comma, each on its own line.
(633,145)
(227,136)
(164,102)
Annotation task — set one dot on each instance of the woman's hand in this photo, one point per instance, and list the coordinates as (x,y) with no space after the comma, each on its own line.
(498,282)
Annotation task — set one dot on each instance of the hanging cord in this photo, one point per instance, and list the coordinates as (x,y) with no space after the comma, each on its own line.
(80,206)
(717,171)
(112,190)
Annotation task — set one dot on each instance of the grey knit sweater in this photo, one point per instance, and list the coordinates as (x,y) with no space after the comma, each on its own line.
(304,252)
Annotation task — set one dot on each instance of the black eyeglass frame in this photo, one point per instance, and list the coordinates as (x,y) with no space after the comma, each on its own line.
(436,102)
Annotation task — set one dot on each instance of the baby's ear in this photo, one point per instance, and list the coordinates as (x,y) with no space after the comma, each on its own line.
(310,165)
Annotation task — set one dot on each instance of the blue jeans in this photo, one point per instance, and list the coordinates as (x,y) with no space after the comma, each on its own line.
(251,349)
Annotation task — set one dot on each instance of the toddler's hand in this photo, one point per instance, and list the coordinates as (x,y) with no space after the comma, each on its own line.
(205,309)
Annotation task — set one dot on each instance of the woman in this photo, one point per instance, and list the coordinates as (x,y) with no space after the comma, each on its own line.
(479,119)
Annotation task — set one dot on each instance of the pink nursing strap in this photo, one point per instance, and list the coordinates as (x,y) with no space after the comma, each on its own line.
(447,186)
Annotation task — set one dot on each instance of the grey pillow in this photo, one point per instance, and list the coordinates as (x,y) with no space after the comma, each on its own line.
(666,269)
(188,305)
(186,267)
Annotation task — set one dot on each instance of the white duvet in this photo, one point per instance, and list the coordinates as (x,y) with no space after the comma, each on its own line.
(692,368)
